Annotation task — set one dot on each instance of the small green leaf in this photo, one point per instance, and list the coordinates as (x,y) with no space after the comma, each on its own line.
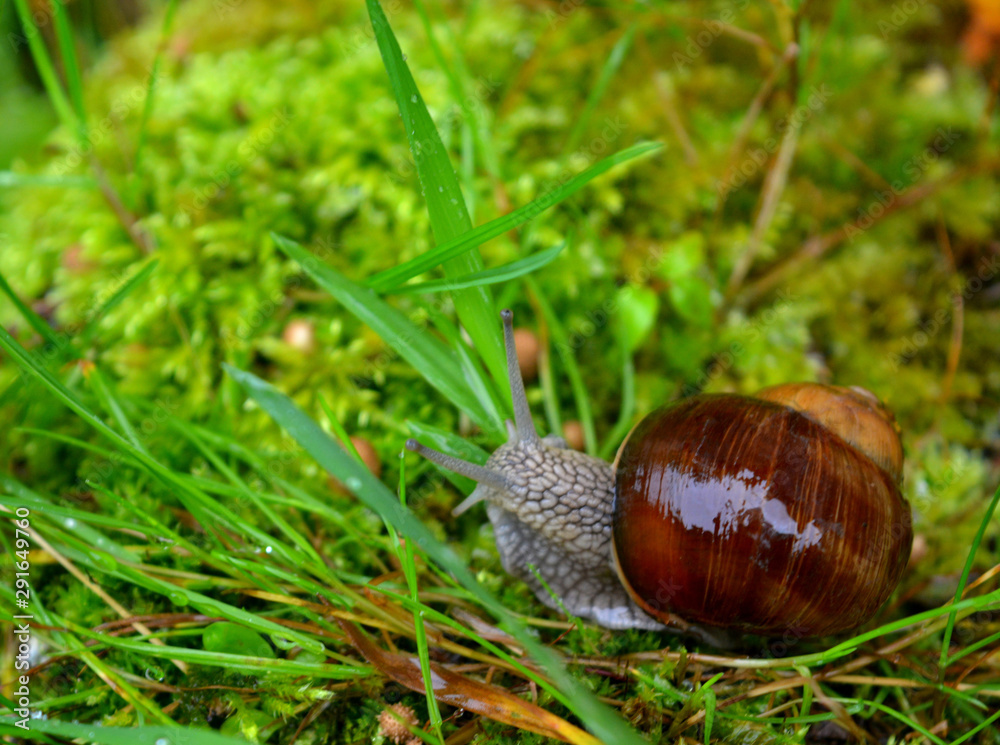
(692,299)
(683,257)
(639,306)
(231,638)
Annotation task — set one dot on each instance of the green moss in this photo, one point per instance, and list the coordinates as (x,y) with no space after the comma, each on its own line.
(279,118)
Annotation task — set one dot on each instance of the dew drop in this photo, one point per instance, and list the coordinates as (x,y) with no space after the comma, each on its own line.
(154,673)
(178,598)
(413,98)
(353,483)
(268,550)
(162,741)
(103,560)
(70,523)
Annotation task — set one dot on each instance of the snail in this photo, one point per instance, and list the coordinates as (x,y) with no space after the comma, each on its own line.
(774,514)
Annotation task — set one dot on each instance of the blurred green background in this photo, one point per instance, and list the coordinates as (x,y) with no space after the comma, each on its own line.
(826,208)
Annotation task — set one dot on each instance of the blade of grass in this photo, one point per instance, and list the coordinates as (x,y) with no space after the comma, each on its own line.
(34,320)
(908,721)
(115,300)
(108,400)
(965,651)
(449,215)
(451,444)
(482,386)
(605,724)
(627,407)
(101,735)
(47,71)
(459,81)
(38,503)
(407,561)
(294,536)
(20,180)
(68,641)
(611,65)
(422,350)
(504,273)
(154,74)
(580,395)
(975,730)
(392,278)
(973,549)
(70,63)
(207,511)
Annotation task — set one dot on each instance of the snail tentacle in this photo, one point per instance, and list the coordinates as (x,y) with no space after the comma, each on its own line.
(525,427)
(477,473)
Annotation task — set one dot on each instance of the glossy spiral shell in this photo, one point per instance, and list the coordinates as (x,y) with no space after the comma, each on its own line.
(749,514)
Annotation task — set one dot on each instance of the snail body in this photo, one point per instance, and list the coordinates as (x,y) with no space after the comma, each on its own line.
(772,514)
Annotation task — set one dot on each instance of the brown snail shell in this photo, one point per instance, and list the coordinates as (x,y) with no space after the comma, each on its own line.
(764,515)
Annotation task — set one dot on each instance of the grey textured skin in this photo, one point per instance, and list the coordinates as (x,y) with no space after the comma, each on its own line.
(555,515)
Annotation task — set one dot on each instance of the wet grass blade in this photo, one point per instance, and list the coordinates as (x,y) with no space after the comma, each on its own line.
(446,206)
(461,84)
(499,274)
(393,278)
(421,349)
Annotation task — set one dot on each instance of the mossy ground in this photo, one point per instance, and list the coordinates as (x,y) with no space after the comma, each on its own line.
(827,215)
